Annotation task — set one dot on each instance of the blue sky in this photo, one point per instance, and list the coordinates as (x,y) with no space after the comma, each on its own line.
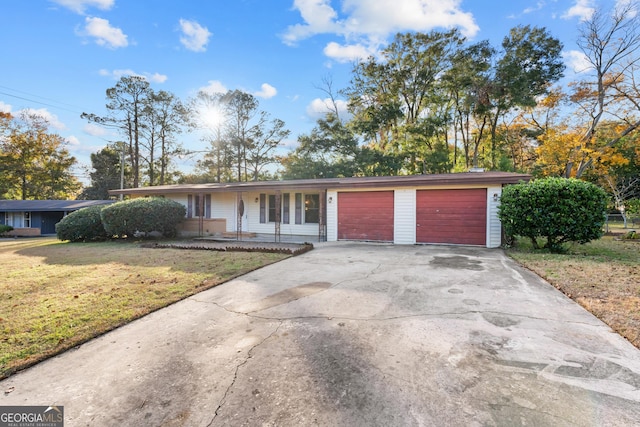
(60,56)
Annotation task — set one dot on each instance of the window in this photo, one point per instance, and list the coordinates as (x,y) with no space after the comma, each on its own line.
(272,208)
(27,219)
(196,210)
(285,208)
(311,208)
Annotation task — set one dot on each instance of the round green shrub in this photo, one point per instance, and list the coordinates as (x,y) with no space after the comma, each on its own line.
(5,228)
(557,209)
(82,225)
(142,216)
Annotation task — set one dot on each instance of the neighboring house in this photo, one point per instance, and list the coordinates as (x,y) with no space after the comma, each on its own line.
(39,217)
(456,208)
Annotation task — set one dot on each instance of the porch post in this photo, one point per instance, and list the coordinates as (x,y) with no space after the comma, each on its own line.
(200,197)
(240,211)
(277,219)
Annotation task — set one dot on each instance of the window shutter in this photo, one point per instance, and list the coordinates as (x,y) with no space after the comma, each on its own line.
(189,206)
(207,206)
(285,208)
(298,208)
(263,208)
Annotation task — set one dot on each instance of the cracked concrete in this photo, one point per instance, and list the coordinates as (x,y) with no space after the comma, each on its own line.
(353,334)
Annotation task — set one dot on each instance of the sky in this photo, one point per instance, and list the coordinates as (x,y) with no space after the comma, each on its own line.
(58,57)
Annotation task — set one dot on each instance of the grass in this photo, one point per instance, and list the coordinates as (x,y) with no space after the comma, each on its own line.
(55,295)
(602,276)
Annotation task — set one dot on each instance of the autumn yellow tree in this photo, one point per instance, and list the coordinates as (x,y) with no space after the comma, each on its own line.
(35,164)
(609,92)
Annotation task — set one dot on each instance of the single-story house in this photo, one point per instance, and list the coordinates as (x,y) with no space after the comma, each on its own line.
(458,208)
(39,217)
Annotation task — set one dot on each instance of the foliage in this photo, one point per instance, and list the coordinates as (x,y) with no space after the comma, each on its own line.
(105,175)
(34,164)
(557,209)
(5,228)
(633,206)
(610,41)
(242,138)
(428,87)
(82,225)
(148,121)
(145,215)
(332,150)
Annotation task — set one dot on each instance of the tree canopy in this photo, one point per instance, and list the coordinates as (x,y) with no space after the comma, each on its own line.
(34,163)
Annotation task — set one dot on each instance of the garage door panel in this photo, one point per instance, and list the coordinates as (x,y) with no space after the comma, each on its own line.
(365,216)
(451,216)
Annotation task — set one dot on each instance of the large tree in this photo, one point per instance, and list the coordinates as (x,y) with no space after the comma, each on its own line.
(148,121)
(105,174)
(242,138)
(610,41)
(34,163)
(424,88)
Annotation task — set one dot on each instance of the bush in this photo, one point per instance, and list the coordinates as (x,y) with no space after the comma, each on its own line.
(560,210)
(82,225)
(125,219)
(5,229)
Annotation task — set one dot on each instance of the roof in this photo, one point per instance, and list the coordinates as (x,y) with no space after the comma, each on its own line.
(48,205)
(464,178)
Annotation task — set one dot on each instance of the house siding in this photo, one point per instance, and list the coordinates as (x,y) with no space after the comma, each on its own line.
(332,216)
(494,226)
(404,217)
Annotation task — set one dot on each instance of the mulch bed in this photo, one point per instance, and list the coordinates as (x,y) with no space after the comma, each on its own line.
(235,246)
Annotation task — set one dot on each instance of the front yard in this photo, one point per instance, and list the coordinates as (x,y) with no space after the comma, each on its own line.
(54,295)
(602,276)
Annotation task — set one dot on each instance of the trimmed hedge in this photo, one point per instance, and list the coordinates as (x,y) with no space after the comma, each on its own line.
(82,225)
(558,209)
(144,215)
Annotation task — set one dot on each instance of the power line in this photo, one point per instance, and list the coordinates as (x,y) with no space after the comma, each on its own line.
(39,102)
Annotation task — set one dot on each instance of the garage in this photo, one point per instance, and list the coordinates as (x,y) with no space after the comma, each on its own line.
(366,215)
(452,216)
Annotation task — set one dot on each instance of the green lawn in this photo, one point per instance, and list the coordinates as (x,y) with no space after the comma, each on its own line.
(55,295)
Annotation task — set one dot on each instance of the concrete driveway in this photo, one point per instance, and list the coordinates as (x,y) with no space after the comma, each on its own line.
(353,334)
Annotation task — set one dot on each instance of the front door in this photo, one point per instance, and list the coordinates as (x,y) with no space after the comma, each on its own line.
(49,221)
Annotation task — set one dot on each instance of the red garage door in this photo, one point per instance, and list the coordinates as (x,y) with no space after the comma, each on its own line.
(452,216)
(365,216)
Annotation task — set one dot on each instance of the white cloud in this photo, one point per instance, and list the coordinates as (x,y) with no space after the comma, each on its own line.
(150,77)
(347,53)
(213,87)
(582,9)
(266,91)
(50,118)
(576,61)
(79,6)
(94,130)
(195,37)
(371,22)
(5,108)
(319,17)
(104,33)
(320,107)
(73,140)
